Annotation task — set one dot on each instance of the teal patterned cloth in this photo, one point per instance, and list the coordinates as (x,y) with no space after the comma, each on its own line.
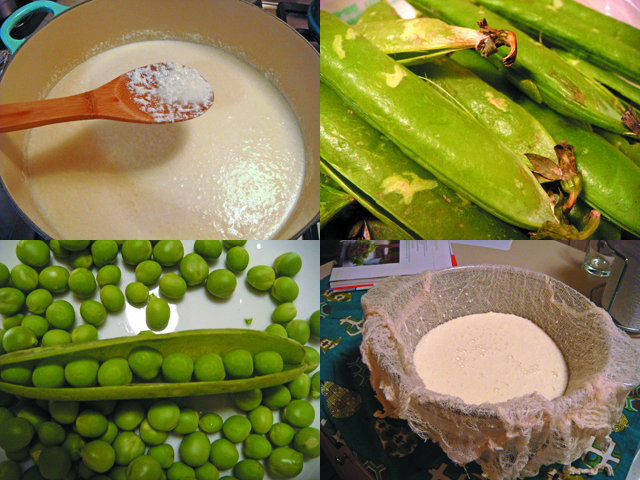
(387,447)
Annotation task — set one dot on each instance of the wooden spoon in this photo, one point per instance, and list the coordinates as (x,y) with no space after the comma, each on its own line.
(157,93)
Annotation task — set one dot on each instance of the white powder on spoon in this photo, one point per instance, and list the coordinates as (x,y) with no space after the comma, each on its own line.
(170,92)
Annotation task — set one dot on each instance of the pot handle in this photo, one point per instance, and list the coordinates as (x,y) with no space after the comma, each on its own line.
(37,6)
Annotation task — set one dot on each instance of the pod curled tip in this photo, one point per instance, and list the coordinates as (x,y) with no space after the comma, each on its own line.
(496,38)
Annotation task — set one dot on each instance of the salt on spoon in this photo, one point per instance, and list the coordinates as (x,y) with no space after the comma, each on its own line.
(157,93)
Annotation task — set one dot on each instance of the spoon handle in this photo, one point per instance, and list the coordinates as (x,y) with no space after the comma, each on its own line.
(24,115)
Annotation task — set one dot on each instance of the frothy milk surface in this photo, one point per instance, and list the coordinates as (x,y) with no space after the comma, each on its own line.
(234,172)
(490,357)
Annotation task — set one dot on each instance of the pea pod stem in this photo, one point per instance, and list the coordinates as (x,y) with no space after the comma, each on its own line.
(193,342)
(433,39)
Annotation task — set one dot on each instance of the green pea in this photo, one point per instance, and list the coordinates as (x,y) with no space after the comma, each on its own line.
(249,469)
(136,251)
(16,374)
(285,462)
(32,473)
(37,324)
(64,412)
(177,367)
(151,436)
(115,371)
(108,275)
(207,472)
(298,330)
(257,447)
(81,259)
(157,313)
(194,269)
(112,298)
(145,362)
(300,386)
(38,300)
(11,301)
(210,422)
(18,338)
(54,278)
(209,368)
(307,442)
(228,244)
(267,363)
(188,422)
(238,363)
(276,397)
(34,415)
(56,336)
(144,467)
(98,456)
(148,272)
(223,454)
(283,313)
(118,473)
(110,435)
(57,249)
(10,470)
(74,444)
(314,324)
(221,283)
(208,249)
(277,329)
(5,275)
(247,400)
(6,414)
(106,407)
(164,415)
(261,419)
(285,289)
(60,314)
(194,449)
(180,471)
(82,372)
(311,358)
(237,259)
(281,434)
(24,278)
(315,385)
(287,264)
(14,321)
(15,434)
(82,283)
(74,245)
(92,312)
(236,428)
(51,433)
(91,423)
(128,414)
(261,277)
(299,413)
(35,450)
(172,286)
(84,333)
(34,253)
(128,446)
(164,454)
(104,252)
(168,252)
(54,463)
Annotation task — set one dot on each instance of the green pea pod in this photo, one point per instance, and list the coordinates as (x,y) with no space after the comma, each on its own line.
(367,202)
(425,126)
(632,151)
(611,80)
(193,342)
(607,230)
(577,37)
(539,72)
(331,202)
(393,187)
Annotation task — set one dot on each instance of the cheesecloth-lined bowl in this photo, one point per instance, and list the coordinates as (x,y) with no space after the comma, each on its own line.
(511,439)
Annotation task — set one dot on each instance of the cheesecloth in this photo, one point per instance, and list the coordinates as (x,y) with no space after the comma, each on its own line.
(512,439)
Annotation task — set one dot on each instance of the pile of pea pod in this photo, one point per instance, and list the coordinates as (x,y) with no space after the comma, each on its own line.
(443,149)
(206,403)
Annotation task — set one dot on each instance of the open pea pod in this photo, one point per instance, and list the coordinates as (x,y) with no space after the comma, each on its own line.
(195,343)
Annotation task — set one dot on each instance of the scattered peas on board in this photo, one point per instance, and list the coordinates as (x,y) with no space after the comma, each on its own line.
(164,434)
